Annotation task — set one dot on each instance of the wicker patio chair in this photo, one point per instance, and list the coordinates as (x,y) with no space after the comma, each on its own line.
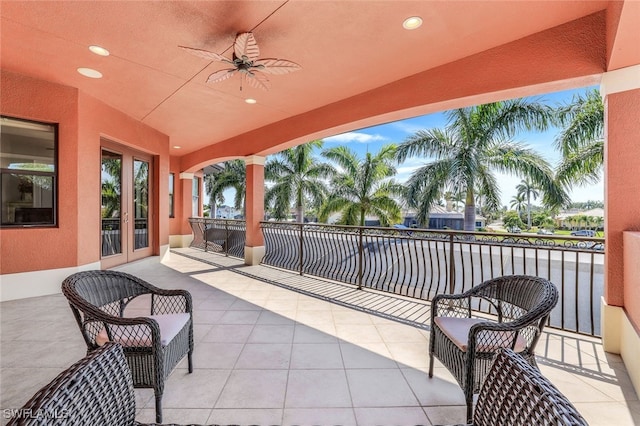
(97,391)
(516,394)
(467,344)
(154,343)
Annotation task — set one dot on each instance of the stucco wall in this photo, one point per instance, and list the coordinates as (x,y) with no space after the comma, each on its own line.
(30,249)
(622,203)
(82,121)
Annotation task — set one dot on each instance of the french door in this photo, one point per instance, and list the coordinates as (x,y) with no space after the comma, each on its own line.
(126,232)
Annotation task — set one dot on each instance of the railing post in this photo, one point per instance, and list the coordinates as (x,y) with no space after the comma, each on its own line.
(301,251)
(204,235)
(226,238)
(360,255)
(452,272)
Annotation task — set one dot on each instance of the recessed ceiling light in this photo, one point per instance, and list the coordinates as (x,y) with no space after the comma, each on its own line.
(412,22)
(177,147)
(98,50)
(250,101)
(89,72)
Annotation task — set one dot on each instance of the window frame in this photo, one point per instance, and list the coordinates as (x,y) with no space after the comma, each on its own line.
(172,192)
(54,177)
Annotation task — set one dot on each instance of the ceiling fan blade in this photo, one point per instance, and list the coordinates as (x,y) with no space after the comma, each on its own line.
(256,79)
(276,66)
(246,45)
(221,75)
(206,54)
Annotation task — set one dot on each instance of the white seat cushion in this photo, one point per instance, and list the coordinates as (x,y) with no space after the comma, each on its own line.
(170,325)
(457,329)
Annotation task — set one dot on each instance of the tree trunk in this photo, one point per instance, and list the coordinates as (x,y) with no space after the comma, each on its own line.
(300,213)
(470,212)
(528,211)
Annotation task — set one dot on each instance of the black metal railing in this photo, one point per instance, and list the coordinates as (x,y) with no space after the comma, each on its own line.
(219,235)
(423,263)
(112,235)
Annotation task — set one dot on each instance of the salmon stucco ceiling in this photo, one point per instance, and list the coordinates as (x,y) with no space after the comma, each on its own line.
(359,66)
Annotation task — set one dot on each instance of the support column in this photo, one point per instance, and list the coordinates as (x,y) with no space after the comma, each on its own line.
(254,210)
(182,210)
(620,90)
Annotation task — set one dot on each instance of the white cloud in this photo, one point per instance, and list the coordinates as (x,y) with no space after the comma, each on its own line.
(357,137)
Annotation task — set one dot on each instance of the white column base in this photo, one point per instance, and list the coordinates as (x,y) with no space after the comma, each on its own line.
(180,241)
(38,283)
(610,325)
(620,337)
(253,255)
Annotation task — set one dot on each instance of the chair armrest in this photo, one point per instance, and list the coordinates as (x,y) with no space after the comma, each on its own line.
(488,336)
(171,302)
(450,305)
(129,332)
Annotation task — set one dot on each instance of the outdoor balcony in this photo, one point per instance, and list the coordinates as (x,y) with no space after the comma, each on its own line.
(269,352)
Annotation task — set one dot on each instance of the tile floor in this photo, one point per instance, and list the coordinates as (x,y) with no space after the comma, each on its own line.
(266,355)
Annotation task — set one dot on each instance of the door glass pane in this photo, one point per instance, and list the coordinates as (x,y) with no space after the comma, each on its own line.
(141,203)
(111,179)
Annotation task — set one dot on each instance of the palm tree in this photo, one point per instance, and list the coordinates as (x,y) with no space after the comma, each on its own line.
(517,203)
(232,176)
(363,186)
(475,143)
(581,142)
(298,177)
(528,190)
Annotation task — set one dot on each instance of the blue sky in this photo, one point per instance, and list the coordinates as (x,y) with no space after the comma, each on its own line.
(373,138)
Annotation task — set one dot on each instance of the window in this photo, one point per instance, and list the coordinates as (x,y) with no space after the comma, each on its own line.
(195,196)
(172,180)
(28,173)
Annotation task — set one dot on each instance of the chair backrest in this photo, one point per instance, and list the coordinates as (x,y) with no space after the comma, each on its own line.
(97,390)
(103,289)
(516,394)
(520,295)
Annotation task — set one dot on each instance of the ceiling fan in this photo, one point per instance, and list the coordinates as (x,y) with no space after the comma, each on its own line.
(245,61)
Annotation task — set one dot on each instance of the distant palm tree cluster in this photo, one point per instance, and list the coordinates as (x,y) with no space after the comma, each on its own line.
(464,157)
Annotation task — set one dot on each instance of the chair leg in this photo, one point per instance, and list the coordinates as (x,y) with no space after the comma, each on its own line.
(470,410)
(190,361)
(158,408)
(430,364)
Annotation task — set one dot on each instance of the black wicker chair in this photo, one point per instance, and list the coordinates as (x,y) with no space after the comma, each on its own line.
(467,345)
(97,391)
(154,343)
(515,394)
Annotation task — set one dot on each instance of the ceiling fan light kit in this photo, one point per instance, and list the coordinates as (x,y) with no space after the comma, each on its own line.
(246,62)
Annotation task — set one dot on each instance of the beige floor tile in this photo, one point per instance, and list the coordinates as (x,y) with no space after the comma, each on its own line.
(319,416)
(380,388)
(254,389)
(268,333)
(175,415)
(246,416)
(410,354)
(316,356)
(447,415)
(400,333)
(317,389)
(265,356)
(371,356)
(356,333)
(311,334)
(199,389)
(238,333)
(441,389)
(392,416)
(608,413)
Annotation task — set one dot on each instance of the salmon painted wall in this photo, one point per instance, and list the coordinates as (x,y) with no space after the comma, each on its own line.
(622,196)
(29,249)
(97,120)
(82,121)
